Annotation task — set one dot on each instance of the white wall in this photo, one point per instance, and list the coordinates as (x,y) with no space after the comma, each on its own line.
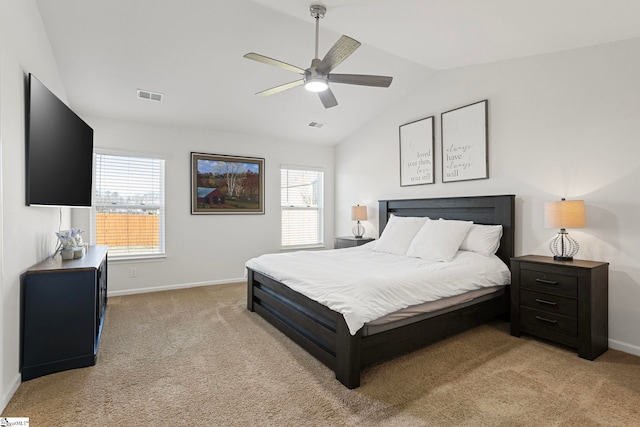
(560,125)
(205,249)
(26,233)
(201,249)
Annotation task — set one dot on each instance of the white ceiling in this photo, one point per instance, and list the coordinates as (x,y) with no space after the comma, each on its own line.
(191,51)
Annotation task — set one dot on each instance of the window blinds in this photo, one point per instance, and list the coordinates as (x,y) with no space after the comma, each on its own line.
(301,201)
(129,205)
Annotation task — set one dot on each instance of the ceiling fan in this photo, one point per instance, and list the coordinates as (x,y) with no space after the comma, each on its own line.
(317,77)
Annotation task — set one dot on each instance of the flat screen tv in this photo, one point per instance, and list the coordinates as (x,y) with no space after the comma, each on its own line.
(59,151)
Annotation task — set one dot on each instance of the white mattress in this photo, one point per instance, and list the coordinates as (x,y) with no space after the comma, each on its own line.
(364,285)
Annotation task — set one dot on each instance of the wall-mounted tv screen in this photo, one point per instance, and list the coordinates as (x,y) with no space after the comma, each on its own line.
(59,151)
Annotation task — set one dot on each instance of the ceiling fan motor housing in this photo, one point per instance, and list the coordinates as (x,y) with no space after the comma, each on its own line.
(314,80)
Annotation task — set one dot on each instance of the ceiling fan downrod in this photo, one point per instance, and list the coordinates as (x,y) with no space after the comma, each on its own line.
(317,12)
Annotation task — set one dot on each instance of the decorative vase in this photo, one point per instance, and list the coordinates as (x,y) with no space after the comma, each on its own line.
(67,253)
(78,252)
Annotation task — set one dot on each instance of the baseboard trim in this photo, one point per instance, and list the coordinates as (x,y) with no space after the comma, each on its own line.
(175,286)
(623,346)
(12,390)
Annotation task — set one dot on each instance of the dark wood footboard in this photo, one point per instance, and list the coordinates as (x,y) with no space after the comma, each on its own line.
(320,331)
(324,334)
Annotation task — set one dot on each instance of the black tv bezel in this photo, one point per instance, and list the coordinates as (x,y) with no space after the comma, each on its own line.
(71,197)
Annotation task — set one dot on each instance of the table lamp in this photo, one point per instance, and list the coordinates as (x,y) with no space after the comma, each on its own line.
(564,214)
(358,213)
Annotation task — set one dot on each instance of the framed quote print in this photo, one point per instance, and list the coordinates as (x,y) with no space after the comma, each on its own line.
(416,152)
(464,143)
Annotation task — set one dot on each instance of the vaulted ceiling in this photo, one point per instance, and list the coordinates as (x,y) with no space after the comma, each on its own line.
(192,52)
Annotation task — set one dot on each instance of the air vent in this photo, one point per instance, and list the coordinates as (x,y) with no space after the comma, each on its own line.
(316,124)
(150,96)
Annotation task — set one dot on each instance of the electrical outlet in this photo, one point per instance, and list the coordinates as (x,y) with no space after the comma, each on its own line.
(133,272)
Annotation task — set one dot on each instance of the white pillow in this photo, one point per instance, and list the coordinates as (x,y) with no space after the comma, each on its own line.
(398,234)
(483,239)
(439,240)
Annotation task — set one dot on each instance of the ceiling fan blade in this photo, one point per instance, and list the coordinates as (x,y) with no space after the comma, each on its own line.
(280,88)
(361,79)
(327,98)
(274,62)
(344,47)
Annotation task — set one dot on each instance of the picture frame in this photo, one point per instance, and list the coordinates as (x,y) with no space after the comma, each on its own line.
(223,184)
(416,152)
(464,143)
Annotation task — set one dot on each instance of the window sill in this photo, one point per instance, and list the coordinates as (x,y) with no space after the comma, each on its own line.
(302,248)
(128,259)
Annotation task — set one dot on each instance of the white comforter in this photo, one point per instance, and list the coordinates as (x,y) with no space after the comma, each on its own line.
(364,285)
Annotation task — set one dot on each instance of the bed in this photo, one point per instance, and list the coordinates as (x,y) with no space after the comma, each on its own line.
(324,333)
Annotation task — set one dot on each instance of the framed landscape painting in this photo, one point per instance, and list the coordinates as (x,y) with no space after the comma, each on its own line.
(222,184)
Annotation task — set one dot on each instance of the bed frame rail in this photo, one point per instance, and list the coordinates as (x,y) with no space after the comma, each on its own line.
(386,345)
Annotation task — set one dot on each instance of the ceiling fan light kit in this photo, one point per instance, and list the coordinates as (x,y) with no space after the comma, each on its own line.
(316,84)
(316,78)
(313,80)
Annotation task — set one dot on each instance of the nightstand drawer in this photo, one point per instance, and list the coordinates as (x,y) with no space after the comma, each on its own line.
(539,321)
(549,303)
(557,284)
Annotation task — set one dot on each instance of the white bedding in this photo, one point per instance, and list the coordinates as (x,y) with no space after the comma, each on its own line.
(364,285)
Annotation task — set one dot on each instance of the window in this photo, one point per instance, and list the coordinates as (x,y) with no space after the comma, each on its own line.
(128,210)
(301,196)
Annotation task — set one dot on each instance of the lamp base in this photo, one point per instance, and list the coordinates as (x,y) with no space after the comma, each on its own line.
(563,247)
(358,230)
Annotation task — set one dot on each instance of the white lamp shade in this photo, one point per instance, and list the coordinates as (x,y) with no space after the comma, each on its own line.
(359,213)
(565,214)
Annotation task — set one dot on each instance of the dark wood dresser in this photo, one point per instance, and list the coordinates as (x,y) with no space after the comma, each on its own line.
(561,301)
(63,306)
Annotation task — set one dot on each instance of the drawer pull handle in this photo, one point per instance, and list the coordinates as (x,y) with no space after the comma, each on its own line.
(541,301)
(546,320)
(547,282)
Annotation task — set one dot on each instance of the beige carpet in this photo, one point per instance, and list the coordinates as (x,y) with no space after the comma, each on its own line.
(197,357)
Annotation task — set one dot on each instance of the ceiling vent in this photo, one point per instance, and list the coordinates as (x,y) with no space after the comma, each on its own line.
(150,96)
(316,124)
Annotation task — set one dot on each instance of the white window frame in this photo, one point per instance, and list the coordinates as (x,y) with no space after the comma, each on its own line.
(162,205)
(319,209)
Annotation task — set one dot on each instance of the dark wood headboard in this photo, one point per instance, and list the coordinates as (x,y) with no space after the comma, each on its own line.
(489,210)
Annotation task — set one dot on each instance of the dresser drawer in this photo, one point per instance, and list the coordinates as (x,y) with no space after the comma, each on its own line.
(557,284)
(549,303)
(538,321)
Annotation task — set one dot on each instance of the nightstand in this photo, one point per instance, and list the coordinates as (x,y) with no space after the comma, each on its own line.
(350,241)
(561,301)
